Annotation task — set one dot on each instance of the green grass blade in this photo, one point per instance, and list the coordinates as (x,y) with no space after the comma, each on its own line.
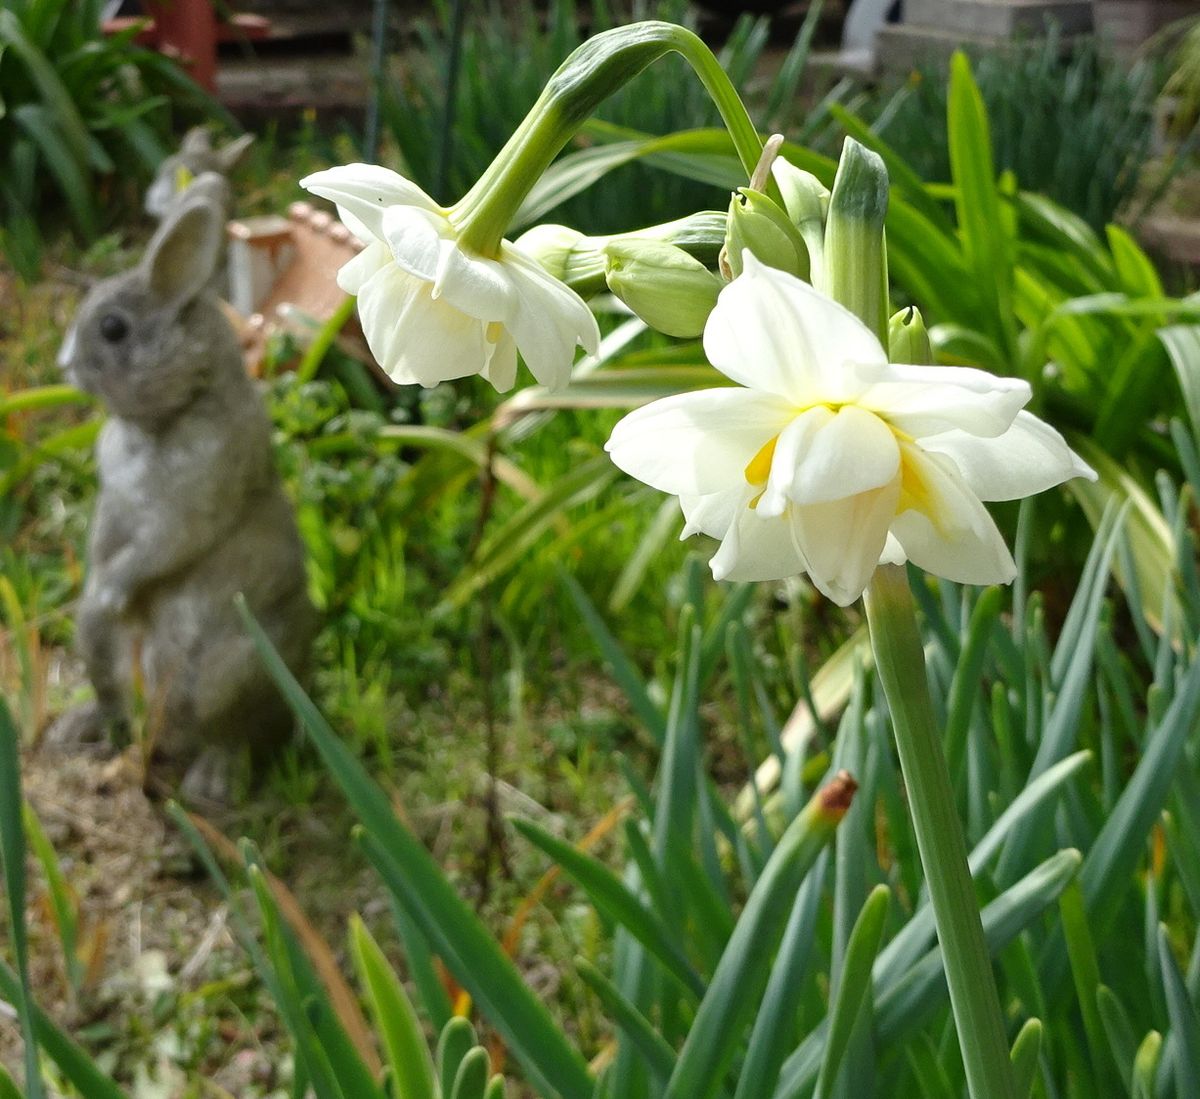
(1085,971)
(12,853)
(615,902)
(621,668)
(1119,1031)
(735,987)
(659,1056)
(456,1040)
(1025,1051)
(82,1072)
(770,1040)
(61,902)
(1185,1026)
(397,1023)
(472,1076)
(482,967)
(853,987)
(905,1004)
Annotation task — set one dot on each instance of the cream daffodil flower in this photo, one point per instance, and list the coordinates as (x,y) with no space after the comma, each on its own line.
(826,459)
(432,310)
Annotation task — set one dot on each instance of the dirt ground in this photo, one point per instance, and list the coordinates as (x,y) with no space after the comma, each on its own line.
(168,996)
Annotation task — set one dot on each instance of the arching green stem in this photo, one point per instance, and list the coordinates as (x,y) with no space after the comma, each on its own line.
(592,73)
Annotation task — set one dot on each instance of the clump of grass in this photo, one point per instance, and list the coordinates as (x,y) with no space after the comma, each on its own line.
(1072,123)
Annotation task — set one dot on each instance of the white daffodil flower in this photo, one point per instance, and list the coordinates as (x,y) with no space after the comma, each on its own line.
(827,459)
(430,309)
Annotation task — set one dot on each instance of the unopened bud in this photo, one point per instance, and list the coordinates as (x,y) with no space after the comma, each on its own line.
(908,341)
(669,289)
(806,200)
(759,224)
(567,254)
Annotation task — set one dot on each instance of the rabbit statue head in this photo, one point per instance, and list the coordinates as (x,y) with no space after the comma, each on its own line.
(150,340)
(196,156)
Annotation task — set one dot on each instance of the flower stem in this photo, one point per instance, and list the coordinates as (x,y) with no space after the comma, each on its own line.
(900,660)
(593,72)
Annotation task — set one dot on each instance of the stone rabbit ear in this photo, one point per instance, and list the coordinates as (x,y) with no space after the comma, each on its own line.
(183,254)
(196,140)
(228,157)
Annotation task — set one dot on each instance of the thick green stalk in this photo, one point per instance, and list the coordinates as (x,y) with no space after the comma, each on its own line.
(592,73)
(900,661)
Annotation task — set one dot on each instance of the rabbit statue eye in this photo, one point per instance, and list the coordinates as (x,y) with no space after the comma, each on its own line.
(113,328)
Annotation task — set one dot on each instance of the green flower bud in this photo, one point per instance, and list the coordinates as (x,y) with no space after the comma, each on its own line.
(662,284)
(908,341)
(567,254)
(759,224)
(855,252)
(806,200)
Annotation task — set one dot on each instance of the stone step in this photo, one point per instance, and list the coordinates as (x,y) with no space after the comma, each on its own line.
(1000,18)
(902,47)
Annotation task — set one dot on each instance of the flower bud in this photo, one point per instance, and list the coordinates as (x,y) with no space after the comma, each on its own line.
(855,252)
(758,223)
(567,254)
(662,284)
(908,341)
(806,200)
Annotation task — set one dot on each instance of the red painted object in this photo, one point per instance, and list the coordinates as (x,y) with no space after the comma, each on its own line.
(188,31)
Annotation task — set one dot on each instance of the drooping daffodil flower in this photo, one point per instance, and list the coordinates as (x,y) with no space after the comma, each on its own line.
(826,459)
(432,309)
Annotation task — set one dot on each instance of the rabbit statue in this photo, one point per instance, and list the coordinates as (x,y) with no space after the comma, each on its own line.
(196,156)
(190,512)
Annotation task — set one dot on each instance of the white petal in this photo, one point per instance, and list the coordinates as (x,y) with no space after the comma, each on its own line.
(713,514)
(772,332)
(355,272)
(955,538)
(548,320)
(365,191)
(421,240)
(757,548)
(843,540)
(927,400)
(501,369)
(697,443)
(826,455)
(893,553)
(415,337)
(382,300)
(1028,458)
(481,287)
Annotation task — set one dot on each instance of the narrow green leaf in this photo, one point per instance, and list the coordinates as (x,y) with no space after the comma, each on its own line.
(65,918)
(615,902)
(905,1003)
(1119,1031)
(621,668)
(1145,1067)
(1025,1051)
(8,1089)
(987,247)
(1086,974)
(452,928)
(735,987)
(395,1019)
(659,1056)
(12,853)
(454,1043)
(472,1076)
(1185,1026)
(853,986)
(771,1038)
